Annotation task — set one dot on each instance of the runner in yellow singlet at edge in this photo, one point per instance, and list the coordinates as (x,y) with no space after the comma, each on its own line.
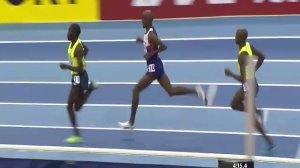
(247,51)
(80,90)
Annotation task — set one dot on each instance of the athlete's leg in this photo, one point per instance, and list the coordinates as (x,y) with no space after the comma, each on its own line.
(261,130)
(73,96)
(145,81)
(175,91)
(87,89)
(258,125)
(84,97)
(238,104)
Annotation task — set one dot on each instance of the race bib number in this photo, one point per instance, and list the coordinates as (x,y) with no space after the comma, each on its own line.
(151,68)
(76,80)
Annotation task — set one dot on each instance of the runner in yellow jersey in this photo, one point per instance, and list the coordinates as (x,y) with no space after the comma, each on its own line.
(246,53)
(80,90)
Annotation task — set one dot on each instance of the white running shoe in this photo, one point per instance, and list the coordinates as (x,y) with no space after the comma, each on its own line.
(201,94)
(125,125)
(93,85)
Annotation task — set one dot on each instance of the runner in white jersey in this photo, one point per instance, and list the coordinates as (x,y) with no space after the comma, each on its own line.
(155,70)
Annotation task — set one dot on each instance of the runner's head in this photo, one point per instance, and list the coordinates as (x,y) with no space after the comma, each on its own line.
(241,36)
(74,32)
(147,18)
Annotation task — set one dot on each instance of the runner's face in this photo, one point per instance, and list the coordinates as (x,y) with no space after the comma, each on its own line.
(145,21)
(237,38)
(71,33)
